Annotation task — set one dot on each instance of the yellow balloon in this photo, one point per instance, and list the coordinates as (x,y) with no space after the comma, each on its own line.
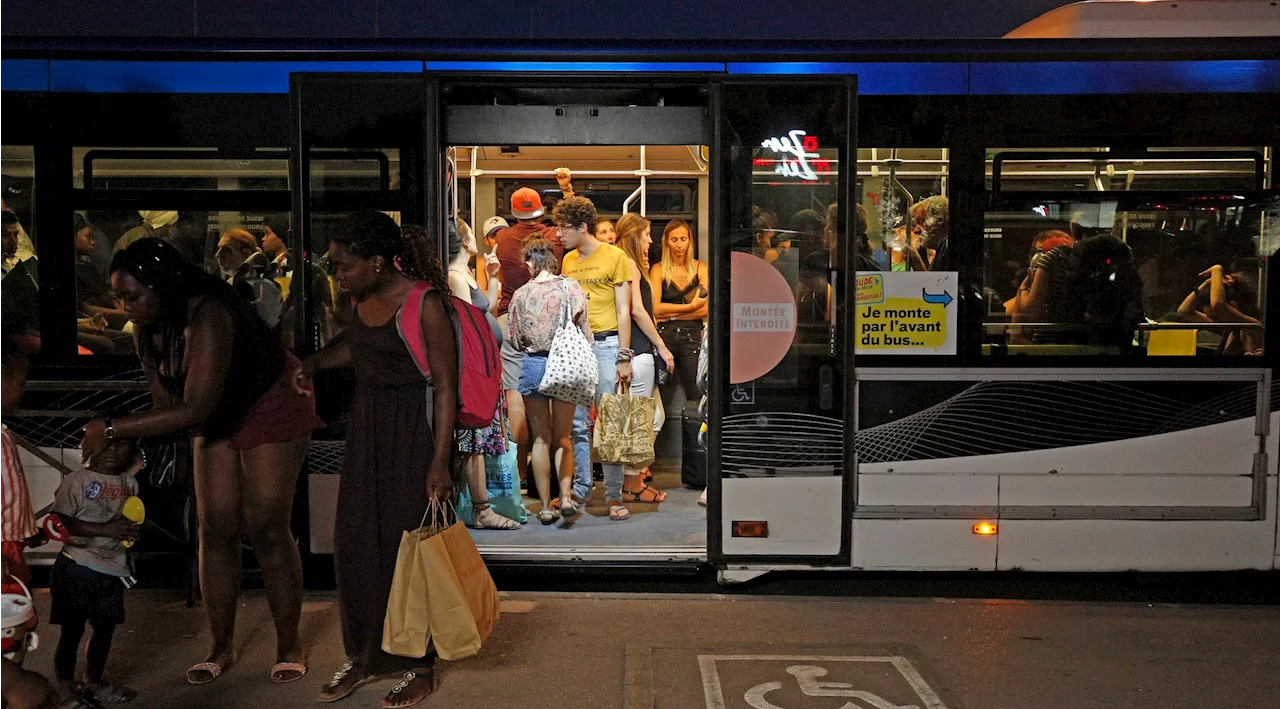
(135,512)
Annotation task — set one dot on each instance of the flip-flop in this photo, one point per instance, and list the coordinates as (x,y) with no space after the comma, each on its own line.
(618,512)
(212,668)
(280,667)
(339,677)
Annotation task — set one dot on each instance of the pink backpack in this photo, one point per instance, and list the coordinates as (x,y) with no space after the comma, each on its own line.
(479,365)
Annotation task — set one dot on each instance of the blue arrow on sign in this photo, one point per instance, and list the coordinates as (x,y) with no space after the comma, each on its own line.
(932,298)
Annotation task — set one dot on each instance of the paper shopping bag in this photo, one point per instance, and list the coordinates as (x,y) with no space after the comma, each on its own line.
(462,600)
(406,628)
(624,429)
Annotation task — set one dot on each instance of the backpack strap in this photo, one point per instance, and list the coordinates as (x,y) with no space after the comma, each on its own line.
(409,325)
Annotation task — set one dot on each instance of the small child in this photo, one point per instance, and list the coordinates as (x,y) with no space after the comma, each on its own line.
(91,574)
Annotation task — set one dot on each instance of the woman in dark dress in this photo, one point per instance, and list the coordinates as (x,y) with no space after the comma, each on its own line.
(216,370)
(399,438)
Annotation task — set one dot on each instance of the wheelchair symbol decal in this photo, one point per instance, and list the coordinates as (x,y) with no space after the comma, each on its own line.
(743,393)
(807,677)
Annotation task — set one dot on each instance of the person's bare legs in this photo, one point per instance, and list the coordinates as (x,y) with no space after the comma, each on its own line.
(485,516)
(539,414)
(562,441)
(217,480)
(519,430)
(269,480)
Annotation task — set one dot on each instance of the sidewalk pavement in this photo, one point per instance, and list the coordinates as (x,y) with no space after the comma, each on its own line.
(720,652)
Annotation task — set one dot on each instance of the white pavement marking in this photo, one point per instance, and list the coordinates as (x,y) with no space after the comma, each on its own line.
(714,694)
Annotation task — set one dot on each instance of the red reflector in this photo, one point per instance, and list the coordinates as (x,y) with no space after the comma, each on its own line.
(750,529)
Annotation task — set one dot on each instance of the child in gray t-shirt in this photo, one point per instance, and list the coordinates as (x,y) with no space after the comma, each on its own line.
(88,580)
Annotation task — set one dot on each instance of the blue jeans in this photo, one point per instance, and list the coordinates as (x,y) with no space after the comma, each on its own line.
(607,365)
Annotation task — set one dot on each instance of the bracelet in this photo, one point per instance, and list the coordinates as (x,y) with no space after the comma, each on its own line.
(625,352)
(111,430)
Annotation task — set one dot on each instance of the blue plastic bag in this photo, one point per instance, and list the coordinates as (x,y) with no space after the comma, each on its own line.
(503,485)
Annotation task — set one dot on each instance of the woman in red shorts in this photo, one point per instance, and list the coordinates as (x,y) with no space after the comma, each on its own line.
(216,370)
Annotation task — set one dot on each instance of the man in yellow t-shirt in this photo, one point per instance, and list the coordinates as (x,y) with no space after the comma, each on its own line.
(604,271)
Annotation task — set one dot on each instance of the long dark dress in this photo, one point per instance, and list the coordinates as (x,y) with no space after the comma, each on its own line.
(384,486)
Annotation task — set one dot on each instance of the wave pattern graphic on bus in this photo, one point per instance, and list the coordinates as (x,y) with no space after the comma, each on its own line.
(983,419)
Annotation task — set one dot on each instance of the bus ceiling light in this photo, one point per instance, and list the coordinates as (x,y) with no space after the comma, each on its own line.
(985,529)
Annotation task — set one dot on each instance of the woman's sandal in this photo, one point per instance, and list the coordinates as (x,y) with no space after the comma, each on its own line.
(107,693)
(493,520)
(548,515)
(286,672)
(345,682)
(213,669)
(402,694)
(617,511)
(569,510)
(644,494)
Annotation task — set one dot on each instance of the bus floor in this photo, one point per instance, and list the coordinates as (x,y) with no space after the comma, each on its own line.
(677,522)
(681,651)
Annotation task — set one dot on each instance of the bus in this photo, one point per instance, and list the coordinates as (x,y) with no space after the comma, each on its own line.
(883,392)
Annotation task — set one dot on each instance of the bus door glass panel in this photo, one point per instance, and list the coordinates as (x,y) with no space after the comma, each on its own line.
(1154,256)
(782,427)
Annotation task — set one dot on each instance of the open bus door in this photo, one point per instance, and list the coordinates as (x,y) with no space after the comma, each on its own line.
(781,396)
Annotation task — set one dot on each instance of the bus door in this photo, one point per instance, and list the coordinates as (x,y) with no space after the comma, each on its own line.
(780,377)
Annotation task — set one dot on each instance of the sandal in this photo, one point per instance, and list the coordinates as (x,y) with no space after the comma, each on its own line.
(402,695)
(548,515)
(644,494)
(286,672)
(569,510)
(617,511)
(493,520)
(345,682)
(108,693)
(647,476)
(76,701)
(213,669)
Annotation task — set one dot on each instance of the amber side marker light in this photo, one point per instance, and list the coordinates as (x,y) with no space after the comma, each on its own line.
(750,529)
(985,529)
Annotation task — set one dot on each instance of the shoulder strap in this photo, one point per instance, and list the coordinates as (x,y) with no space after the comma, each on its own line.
(409,325)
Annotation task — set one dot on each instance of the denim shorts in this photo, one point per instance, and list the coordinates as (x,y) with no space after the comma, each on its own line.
(531,371)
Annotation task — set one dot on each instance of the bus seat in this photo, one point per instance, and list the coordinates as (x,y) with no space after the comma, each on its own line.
(1171,343)
(283,282)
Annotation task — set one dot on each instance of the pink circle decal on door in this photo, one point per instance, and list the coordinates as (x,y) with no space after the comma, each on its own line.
(762,322)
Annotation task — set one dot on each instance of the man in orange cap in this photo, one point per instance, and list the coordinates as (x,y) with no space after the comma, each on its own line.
(526,207)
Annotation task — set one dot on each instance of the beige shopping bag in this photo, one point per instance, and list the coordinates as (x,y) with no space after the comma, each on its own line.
(461,597)
(624,429)
(406,628)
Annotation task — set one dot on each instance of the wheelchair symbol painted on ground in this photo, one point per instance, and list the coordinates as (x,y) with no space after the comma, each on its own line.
(814,682)
(807,677)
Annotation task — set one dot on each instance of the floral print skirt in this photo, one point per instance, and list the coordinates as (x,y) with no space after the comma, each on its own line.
(490,440)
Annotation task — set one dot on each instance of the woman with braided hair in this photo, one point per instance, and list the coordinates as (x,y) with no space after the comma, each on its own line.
(217,371)
(399,439)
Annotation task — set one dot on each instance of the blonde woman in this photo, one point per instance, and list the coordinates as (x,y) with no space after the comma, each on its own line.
(681,280)
(634,239)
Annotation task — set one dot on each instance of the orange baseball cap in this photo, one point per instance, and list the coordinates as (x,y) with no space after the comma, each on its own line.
(526,204)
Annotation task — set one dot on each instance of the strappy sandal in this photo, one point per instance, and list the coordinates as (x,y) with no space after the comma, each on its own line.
(645,494)
(494,521)
(295,670)
(570,510)
(396,698)
(341,686)
(548,515)
(107,693)
(617,511)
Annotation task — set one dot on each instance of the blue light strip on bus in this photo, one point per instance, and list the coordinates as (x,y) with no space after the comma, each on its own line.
(706,67)
(1126,77)
(877,78)
(198,77)
(24,74)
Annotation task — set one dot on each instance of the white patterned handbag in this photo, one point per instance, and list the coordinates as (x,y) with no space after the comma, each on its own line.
(572,373)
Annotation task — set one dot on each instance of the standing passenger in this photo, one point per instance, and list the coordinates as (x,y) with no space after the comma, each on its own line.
(681,279)
(399,440)
(605,231)
(526,206)
(634,240)
(474,444)
(533,321)
(216,370)
(604,273)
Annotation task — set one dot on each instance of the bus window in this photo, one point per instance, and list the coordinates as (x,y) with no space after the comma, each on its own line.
(21,280)
(899,189)
(1176,267)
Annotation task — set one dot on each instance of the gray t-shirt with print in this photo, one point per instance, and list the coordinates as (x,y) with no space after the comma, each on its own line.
(95,497)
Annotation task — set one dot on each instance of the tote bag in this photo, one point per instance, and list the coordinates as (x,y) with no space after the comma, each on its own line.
(571,373)
(503,484)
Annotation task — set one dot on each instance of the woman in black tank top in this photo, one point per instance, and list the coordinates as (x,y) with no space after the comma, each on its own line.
(682,281)
(215,369)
